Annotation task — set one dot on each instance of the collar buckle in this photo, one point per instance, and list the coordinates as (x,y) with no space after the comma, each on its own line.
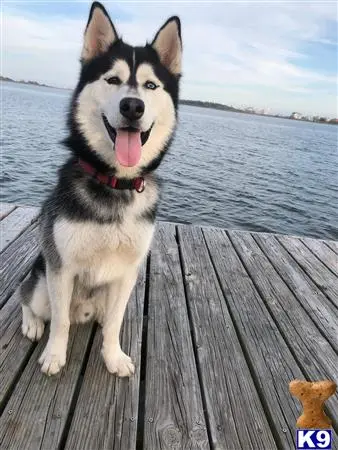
(139,184)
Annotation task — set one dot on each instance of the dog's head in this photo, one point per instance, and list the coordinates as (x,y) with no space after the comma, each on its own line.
(126,100)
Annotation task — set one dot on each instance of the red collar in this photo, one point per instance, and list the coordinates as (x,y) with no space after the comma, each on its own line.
(116,183)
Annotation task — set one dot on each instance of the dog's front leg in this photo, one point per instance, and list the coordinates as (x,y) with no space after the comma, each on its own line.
(116,360)
(60,287)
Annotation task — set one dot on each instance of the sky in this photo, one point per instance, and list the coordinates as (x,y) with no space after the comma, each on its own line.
(276,55)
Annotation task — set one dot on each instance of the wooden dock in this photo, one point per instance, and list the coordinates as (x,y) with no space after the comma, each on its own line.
(219,323)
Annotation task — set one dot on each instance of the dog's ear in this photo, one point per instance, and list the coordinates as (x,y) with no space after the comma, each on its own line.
(168,45)
(99,34)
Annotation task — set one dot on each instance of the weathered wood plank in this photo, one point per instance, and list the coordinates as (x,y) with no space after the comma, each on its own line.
(9,312)
(323,252)
(333,245)
(236,416)
(13,225)
(317,358)
(36,413)
(15,349)
(5,209)
(106,412)
(269,357)
(16,260)
(317,305)
(174,417)
(315,269)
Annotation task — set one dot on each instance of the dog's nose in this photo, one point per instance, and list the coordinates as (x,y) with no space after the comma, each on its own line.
(131,108)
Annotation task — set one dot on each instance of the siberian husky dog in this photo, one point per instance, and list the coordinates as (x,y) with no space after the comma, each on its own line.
(97,225)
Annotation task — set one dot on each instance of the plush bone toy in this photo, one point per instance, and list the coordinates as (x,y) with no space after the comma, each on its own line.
(312,396)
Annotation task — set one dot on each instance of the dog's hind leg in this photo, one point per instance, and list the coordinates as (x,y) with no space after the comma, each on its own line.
(60,284)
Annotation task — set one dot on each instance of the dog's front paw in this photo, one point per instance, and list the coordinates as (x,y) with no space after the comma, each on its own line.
(118,363)
(52,360)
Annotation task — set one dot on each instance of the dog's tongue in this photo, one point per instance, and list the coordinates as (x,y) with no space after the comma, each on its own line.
(128,147)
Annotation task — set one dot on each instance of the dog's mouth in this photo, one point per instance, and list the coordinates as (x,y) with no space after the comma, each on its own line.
(128,142)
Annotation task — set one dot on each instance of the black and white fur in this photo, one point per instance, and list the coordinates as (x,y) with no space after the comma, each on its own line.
(93,237)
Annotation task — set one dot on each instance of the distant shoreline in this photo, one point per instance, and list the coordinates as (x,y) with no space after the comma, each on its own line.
(221,107)
(31,83)
(198,103)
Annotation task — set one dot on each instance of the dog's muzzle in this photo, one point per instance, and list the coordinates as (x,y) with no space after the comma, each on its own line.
(112,131)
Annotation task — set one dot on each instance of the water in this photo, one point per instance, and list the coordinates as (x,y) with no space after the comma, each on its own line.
(224,169)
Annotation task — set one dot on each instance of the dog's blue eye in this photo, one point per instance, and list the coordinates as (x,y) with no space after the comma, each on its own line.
(113,80)
(150,85)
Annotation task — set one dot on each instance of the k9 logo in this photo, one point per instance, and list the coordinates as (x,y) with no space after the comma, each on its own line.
(314,439)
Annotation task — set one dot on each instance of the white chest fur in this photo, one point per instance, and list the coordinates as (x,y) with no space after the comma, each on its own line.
(103,252)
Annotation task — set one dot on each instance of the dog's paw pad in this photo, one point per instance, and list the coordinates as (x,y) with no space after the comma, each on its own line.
(119,364)
(51,364)
(33,328)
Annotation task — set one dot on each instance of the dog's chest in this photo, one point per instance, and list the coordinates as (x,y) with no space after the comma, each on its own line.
(106,250)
